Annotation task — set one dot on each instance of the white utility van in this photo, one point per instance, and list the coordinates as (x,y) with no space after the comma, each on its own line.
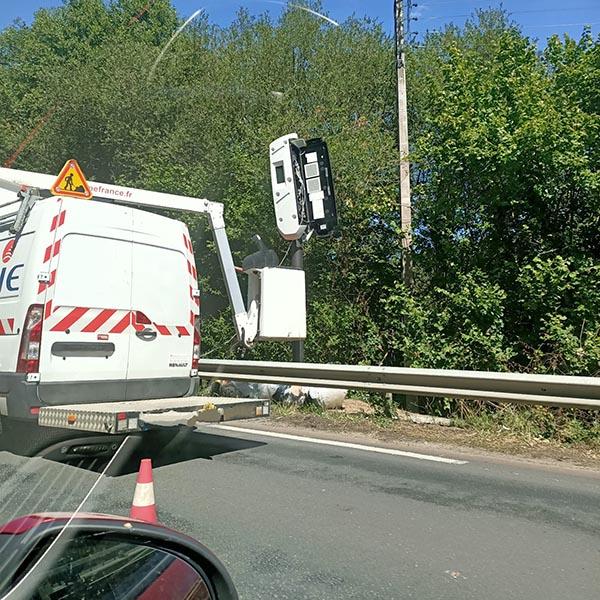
(98,302)
(99,309)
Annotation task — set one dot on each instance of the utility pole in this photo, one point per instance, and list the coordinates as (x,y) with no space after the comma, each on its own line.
(408,402)
(404,183)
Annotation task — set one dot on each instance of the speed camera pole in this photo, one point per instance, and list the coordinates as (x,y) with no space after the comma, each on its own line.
(297,262)
(304,202)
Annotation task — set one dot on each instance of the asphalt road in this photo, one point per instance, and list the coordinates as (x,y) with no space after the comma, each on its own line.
(295,520)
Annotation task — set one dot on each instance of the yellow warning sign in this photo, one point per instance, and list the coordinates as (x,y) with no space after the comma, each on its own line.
(71,182)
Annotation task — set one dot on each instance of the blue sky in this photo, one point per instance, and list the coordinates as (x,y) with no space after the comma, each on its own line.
(538,18)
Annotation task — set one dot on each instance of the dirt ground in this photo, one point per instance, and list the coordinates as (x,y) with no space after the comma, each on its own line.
(356,418)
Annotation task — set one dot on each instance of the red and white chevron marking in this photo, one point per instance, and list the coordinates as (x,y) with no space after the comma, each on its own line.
(7,326)
(181,330)
(52,251)
(58,220)
(88,320)
(103,320)
(191,263)
(193,276)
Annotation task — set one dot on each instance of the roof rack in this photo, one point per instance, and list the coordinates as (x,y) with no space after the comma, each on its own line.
(14,221)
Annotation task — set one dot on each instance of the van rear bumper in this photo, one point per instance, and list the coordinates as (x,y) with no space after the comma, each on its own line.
(17,396)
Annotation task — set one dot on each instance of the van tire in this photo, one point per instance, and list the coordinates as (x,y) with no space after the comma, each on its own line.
(166,440)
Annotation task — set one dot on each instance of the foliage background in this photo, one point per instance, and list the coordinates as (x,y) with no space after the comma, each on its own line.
(504,148)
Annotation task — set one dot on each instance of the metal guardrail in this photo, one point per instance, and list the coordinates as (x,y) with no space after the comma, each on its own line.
(550,390)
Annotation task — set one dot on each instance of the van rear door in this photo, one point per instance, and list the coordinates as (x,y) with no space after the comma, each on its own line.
(85,337)
(161,338)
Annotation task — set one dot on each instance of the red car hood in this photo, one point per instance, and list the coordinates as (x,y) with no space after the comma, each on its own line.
(28,522)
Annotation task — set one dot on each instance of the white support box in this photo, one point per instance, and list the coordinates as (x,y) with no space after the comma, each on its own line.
(281,296)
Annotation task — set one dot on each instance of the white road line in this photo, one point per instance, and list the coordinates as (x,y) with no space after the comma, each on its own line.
(300,438)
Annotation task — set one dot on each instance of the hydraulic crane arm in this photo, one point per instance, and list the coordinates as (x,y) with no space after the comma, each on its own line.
(245,320)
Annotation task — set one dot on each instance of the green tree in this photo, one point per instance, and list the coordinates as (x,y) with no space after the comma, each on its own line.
(504,146)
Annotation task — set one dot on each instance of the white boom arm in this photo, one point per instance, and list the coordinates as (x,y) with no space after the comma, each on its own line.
(246,321)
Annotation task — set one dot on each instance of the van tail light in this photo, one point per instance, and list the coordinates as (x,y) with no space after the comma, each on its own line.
(141,318)
(31,340)
(196,347)
(140,321)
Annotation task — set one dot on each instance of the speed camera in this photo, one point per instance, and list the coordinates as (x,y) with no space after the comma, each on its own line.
(286,184)
(302,186)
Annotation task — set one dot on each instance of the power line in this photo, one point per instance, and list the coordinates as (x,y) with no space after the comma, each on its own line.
(516,12)
(563,24)
(549,26)
(436,3)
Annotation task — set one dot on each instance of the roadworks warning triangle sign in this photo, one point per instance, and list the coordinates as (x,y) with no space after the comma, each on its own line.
(71,182)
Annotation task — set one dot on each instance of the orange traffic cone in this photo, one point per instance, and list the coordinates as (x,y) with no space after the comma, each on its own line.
(143,506)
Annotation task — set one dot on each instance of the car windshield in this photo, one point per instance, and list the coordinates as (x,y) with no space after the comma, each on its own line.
(332,266)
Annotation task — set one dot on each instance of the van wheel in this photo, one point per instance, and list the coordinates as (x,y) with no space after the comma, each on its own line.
(169,439)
